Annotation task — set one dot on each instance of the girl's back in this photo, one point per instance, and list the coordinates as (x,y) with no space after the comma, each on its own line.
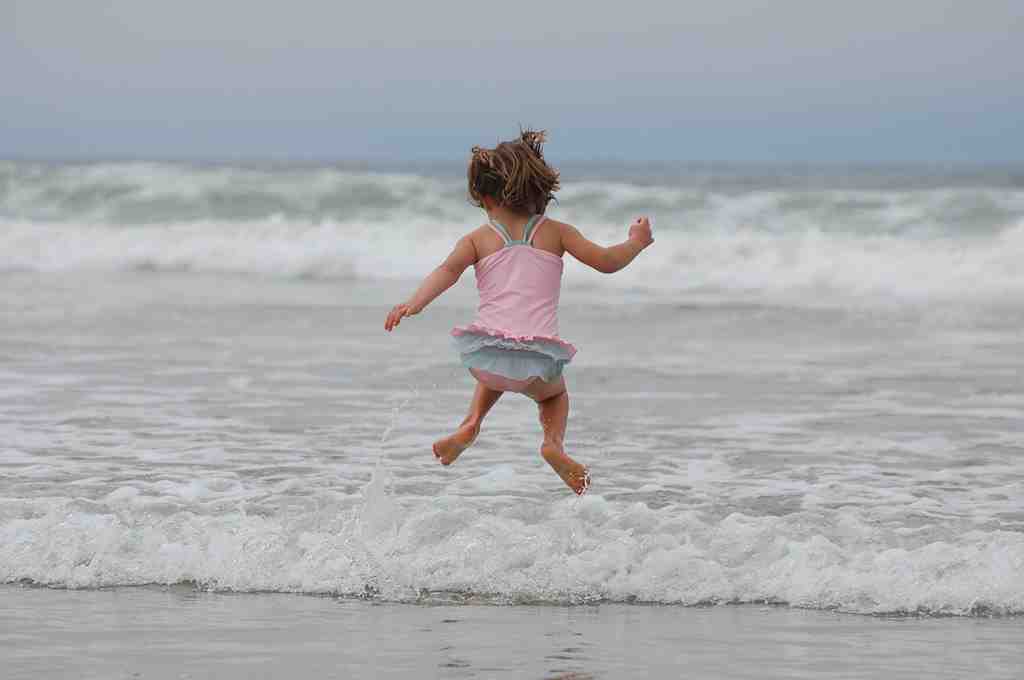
(520,282)
(546,237)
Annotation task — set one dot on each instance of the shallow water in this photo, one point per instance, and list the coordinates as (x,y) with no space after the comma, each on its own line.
(807,398)
(250,434)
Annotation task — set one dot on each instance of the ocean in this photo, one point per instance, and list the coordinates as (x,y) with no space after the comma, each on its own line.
(802,409)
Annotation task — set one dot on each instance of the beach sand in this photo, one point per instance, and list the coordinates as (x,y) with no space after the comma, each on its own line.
(179,632)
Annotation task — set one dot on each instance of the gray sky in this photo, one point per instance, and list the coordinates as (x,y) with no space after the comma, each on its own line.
(788,80)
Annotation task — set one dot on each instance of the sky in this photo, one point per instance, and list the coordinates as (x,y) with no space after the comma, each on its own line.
(775,81)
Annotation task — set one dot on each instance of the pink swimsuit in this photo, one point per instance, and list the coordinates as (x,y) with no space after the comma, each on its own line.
(514,340)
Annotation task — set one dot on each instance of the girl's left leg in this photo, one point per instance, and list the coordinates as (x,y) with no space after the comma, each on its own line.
(448,449)
(553,401)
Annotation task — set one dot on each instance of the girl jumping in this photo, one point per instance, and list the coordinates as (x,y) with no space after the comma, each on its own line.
(513,345)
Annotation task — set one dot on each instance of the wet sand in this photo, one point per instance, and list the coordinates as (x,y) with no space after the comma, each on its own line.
(179,632)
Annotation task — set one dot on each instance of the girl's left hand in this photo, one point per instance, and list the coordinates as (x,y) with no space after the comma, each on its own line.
(395,317)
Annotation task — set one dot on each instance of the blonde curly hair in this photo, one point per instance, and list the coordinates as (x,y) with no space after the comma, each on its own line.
(514,174)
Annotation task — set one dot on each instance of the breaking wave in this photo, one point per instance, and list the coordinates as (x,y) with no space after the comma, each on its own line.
(958,242)
(569,551)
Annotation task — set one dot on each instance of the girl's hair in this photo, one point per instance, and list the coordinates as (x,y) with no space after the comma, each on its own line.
(514,174)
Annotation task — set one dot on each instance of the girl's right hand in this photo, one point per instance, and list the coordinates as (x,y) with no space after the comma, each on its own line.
(640,231)
(395,317)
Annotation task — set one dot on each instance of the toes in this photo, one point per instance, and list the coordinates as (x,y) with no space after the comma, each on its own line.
(585,485)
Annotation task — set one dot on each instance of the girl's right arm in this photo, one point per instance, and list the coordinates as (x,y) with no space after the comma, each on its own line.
(437,282)
(613,258)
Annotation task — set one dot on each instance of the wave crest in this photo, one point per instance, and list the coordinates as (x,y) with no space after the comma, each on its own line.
(811,267)
(788,243)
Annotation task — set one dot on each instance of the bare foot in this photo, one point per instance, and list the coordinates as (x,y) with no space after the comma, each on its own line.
(572,473)
(448,449)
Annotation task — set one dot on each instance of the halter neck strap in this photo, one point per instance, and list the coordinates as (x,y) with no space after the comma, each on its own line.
(529,229)
(500,230)
(533,227)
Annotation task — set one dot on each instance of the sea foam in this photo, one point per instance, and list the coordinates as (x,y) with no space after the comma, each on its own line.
(806,266)
(567,551)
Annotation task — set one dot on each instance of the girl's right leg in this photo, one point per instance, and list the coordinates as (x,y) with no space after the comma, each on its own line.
(448,449)
(553,400)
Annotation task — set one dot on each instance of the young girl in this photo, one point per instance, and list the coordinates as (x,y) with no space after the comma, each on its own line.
(513,345)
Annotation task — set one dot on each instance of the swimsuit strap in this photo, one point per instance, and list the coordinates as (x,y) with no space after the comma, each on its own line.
(506,235)
(532,227)
(500,229)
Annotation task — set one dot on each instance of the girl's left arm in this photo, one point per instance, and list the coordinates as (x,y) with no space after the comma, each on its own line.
(437,282)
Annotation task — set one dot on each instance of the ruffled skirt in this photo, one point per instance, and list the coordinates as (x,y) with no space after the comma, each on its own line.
(514,357)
